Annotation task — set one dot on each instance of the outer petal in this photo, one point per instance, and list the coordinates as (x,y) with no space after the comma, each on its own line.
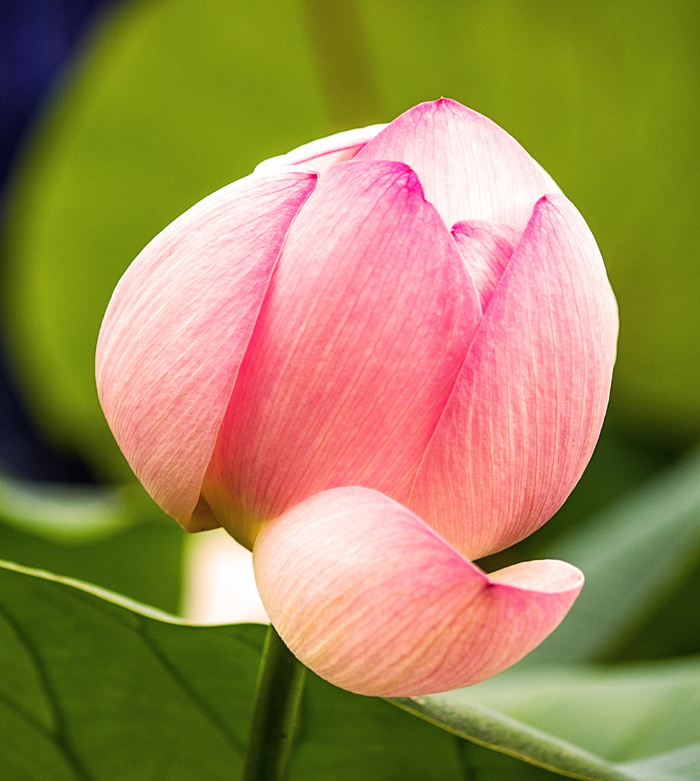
(177,327)
(529,404)
(374,601)
(366,324)
(323,153)
(469,167)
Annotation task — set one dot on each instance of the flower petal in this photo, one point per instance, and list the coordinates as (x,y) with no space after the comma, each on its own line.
(177,327)
(322,154)
(469,167)
(364,329)
(371,599)
(486,248)
(528,407)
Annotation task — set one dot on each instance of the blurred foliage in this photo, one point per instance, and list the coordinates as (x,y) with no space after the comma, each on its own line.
(639,555)
(171,100)
(624,715)
(605,96)
(116,537)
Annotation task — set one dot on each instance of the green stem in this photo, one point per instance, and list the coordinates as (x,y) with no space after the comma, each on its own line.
(275,712)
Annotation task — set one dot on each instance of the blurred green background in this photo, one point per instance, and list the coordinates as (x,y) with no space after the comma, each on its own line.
(167,100)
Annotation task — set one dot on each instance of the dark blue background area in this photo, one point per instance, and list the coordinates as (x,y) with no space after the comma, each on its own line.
(37,41)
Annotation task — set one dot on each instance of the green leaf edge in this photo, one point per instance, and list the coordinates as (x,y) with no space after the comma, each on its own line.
(102,593)
(481,726)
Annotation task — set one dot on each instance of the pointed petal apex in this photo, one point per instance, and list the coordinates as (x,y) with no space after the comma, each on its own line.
(471,168)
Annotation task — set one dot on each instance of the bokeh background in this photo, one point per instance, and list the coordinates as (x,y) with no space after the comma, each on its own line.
(119,114)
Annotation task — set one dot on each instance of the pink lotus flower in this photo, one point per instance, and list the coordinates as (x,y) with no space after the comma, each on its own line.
(375,359)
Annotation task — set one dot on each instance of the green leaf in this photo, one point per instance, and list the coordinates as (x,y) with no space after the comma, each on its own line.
(115,537)
(674,766)
(95,687)
(638,717)
(494,730)
(98,688)
(636,555)
(171,100)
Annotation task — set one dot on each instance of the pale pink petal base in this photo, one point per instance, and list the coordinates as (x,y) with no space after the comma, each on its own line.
(371,599)
(177,328)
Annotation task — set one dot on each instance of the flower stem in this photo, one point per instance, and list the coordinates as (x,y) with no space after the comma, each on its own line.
(275,712)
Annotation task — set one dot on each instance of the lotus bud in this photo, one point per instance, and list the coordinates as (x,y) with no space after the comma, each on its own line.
(372,361)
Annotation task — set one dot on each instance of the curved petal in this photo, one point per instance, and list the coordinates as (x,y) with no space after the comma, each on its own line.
(486,248)
(322,154)
(528,407)
(177,327)
(366,324)
(469,167)
(374,601)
